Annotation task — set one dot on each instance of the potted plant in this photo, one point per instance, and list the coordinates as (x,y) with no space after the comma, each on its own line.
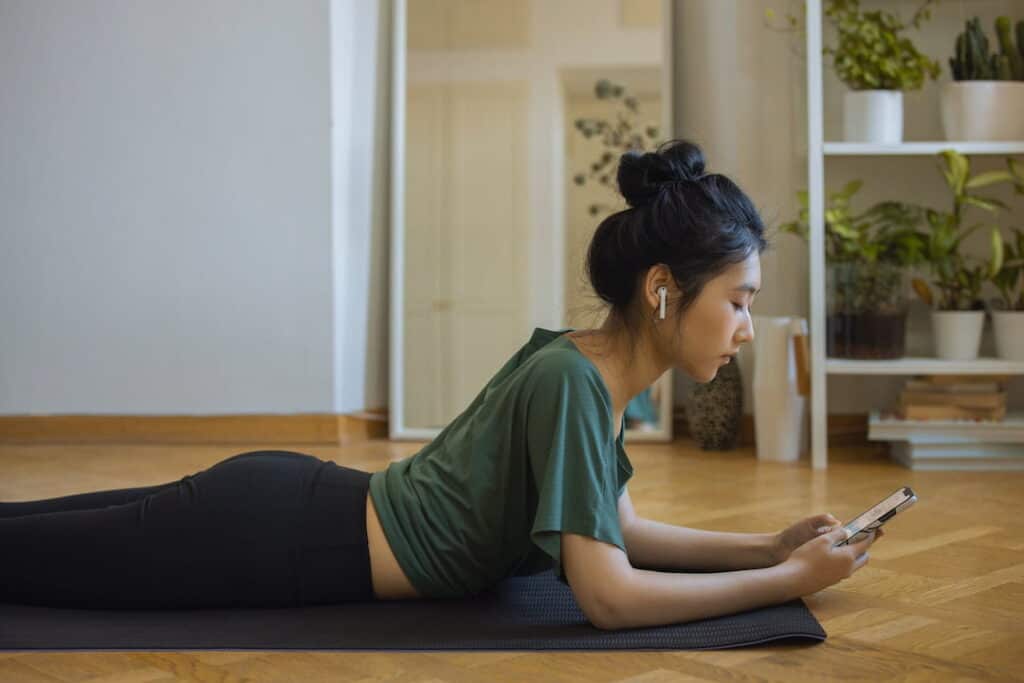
(958,314)
(1008,310)
(866,259)
(877,64)
(985,101)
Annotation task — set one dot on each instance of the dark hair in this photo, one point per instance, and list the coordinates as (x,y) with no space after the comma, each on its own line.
(697,224)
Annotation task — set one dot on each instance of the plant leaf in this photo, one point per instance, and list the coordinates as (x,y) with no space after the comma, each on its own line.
(996,264)
(988,204)
(988,178)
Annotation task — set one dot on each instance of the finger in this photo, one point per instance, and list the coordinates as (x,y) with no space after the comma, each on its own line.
(836,535)
(823,520)
(860,562)
(862,544)
(822,524)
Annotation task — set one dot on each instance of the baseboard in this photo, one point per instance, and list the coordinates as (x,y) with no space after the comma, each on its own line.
(195,429)
(287,429)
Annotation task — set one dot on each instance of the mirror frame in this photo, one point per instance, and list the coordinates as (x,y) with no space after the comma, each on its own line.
(398,431)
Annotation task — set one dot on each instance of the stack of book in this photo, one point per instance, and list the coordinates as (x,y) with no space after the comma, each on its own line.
(980,398)
(951,444)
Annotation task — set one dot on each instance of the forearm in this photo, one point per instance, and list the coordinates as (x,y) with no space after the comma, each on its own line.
(651,598)
(655,545)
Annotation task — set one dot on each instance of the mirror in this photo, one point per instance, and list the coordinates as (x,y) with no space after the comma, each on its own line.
(508,119)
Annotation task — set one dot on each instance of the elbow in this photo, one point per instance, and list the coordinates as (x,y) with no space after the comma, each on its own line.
(604,623)
(604,613)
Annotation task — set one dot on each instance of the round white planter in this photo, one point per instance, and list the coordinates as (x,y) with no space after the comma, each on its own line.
(957,334)
(780,412)
(873,116)
(984,111)
(1009,332)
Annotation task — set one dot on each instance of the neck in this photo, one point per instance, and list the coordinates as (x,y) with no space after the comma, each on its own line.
(627,364)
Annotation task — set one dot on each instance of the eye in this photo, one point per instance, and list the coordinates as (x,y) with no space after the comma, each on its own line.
(737,306)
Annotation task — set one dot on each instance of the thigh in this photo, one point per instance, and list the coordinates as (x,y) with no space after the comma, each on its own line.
(265,528)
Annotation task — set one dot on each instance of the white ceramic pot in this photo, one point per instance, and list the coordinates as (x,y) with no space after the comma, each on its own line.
(873,116)
(957,334)
(780,412)
(983,111)
(1009,332)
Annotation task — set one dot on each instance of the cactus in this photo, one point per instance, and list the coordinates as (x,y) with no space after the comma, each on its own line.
(974,62)
(957,60)
(1013,70)
(1002,68)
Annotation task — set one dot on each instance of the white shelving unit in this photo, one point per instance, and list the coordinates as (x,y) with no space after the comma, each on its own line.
(817,153)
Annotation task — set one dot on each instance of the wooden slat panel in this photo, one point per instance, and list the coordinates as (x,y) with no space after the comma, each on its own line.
(192,429)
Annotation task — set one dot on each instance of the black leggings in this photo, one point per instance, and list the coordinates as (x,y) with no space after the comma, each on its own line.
(260,529)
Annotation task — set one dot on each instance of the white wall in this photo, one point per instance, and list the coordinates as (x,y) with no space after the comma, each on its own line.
(165,198)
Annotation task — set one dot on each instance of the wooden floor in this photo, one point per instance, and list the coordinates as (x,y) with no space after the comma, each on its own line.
(942,598)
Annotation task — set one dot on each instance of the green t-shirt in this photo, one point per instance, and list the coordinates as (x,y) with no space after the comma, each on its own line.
(534,454)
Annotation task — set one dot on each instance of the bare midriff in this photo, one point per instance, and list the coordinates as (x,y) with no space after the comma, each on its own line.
(389,581)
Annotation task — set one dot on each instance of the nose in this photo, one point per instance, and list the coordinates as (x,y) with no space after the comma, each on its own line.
(747,332)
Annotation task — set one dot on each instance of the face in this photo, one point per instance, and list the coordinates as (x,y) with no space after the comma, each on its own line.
(719,322)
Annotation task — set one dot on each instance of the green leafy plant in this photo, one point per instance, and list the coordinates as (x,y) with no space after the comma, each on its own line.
(619,133)
(958,279)
(865,252)
(972,61)
(883,233)
(1010,278)
(872,53)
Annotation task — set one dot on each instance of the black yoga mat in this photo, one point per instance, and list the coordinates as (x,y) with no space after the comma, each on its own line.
(524,613)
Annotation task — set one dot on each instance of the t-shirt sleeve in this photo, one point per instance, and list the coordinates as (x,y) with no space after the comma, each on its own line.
(573,459)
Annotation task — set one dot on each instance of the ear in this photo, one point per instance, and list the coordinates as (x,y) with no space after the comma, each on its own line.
(657,276)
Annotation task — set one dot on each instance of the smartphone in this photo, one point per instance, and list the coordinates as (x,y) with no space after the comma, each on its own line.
(863,524)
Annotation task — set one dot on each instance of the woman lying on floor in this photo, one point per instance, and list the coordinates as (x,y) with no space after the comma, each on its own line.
(531,476)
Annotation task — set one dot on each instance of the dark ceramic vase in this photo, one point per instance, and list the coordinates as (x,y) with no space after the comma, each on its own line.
(714,409)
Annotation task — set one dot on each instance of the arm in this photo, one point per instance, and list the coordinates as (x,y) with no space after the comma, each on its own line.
(655,545)
(613,595)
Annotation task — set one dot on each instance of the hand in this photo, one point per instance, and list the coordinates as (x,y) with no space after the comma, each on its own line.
(818,565)
(790,539)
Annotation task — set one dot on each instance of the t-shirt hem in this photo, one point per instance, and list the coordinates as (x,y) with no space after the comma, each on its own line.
(389,524)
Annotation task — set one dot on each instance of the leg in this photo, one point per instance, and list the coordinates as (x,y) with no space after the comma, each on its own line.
(94,499)
(78,501)
(270,529)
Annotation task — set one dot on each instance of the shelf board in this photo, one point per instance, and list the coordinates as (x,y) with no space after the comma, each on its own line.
(883,427)
(923,366)
(921,148)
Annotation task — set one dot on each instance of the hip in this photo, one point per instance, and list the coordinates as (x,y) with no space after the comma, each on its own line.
(389,581)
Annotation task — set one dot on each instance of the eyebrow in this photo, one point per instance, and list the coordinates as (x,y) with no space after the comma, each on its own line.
(746,287)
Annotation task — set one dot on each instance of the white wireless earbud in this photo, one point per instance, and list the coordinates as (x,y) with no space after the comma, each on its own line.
(662,291)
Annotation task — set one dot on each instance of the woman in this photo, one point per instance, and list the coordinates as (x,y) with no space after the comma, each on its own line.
(532,475)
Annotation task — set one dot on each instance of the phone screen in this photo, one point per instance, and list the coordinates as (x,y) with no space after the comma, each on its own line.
(878,514)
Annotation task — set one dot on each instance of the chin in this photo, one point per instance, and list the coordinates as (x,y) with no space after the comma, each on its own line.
(700,375)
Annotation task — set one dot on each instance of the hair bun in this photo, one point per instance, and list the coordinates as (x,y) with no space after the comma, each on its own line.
(642,175)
